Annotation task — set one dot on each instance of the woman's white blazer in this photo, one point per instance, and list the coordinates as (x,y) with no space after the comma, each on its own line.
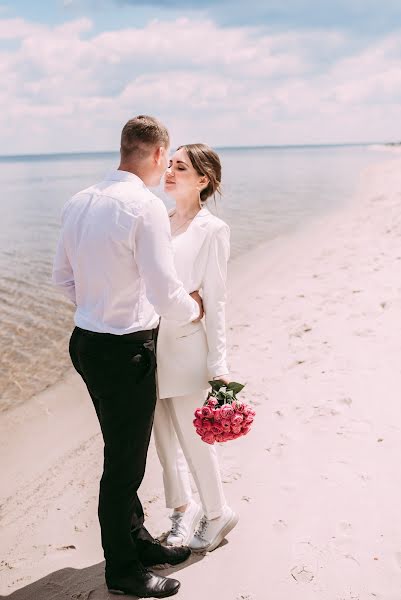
(189,355)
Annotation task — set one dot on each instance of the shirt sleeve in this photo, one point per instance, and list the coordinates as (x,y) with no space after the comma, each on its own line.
(154,258)
(214,293)
(63,275)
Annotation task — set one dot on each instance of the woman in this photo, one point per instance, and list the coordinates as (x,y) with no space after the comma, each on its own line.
(188,356)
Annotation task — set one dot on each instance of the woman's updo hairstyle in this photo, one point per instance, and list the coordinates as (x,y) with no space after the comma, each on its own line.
(205,162)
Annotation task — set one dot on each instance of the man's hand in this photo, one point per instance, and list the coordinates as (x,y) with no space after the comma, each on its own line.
(225,378)
(196,296)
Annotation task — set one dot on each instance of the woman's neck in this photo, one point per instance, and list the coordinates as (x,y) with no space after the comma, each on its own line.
(186,208)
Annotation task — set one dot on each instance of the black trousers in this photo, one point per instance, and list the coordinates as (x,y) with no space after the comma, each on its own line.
(120,374)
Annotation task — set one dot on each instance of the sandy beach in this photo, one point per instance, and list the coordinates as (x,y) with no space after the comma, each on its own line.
(314,325)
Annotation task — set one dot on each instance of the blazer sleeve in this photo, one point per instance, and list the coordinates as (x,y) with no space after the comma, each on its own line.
(214,295)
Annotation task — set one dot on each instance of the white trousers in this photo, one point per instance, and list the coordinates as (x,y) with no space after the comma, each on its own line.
(179,447)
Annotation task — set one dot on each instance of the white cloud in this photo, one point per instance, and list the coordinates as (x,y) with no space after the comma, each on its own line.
(12,29)
(65,88)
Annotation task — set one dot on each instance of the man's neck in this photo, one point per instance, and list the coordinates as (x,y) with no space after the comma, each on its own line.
(134,169)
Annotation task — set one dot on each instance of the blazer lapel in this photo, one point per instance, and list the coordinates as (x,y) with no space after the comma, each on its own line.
(190,246)
(199,230)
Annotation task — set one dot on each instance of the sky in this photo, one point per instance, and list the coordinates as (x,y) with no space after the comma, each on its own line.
(228,73)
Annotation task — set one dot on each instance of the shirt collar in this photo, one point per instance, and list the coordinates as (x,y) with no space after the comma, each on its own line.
(118,175)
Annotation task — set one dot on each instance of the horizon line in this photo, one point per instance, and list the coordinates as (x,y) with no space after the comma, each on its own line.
(88,153)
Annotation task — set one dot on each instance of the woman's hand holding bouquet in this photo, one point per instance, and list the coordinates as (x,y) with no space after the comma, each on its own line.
(223,417)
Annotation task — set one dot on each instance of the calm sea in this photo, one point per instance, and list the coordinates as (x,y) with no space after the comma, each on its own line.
(267,192)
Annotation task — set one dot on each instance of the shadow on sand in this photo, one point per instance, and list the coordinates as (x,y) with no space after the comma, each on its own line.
(81,584)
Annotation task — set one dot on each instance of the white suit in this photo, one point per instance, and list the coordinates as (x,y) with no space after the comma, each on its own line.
(188,356)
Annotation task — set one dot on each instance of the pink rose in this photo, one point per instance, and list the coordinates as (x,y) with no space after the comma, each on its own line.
(207,426)
(198,413)
(217,414)
(207,412)
(236,429)
(212,401)
(227,411)
(245,429)
(197,423)
(239,407)
(208,437)
(237,420)
(217,428)
(226,424)
(249,419)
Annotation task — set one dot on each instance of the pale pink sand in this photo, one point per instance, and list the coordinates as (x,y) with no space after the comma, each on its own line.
(315,330)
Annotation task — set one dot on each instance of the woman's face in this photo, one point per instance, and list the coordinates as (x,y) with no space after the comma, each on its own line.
(181,179)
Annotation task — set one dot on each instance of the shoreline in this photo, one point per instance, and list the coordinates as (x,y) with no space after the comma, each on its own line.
(312,320)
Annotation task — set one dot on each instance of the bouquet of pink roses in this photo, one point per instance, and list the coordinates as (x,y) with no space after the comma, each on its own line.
(223,417)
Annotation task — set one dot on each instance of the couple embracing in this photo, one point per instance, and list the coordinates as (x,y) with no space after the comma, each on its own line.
(134,273)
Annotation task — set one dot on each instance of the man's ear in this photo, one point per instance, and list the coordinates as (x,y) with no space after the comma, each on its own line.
(159,154)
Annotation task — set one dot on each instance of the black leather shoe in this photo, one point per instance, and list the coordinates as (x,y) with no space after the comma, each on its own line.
(153,553)
(145,584)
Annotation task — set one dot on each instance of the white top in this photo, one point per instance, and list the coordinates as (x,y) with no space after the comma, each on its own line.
(114,259)
(190,355)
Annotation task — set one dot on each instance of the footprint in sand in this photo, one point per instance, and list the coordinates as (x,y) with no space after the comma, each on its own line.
(280,525)
(345,527)
(355,428)
(298,333)
(230,477)
(277,450)
(363,332)
(346,401)
(325,411)
(302,574)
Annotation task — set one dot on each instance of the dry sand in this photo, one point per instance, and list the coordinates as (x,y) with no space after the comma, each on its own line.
(315,329)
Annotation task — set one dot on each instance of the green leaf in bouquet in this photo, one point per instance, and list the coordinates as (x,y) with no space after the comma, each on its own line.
(216,384)
(235,387)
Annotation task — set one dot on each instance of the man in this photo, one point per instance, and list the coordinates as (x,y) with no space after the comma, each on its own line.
(114,261)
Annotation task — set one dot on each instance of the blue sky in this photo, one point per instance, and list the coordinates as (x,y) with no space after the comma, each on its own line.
(363,17)
(230,73)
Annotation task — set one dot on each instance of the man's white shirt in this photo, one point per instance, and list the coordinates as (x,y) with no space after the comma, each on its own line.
(114,259)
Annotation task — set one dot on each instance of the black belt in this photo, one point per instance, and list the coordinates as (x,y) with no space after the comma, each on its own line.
(140,336)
